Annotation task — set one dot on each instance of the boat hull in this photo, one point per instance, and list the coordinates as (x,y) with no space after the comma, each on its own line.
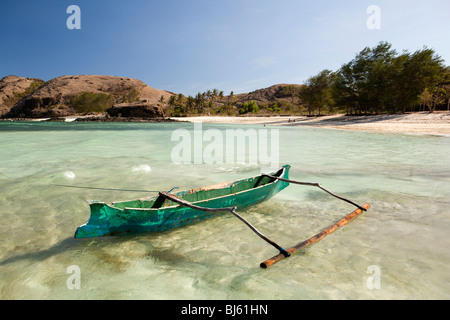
(118,219)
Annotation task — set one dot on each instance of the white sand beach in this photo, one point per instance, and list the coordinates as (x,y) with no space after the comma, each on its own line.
(437,123)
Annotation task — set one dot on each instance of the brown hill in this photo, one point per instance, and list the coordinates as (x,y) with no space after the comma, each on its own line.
(278,92)
(69,95)
(279,98)
(13,89)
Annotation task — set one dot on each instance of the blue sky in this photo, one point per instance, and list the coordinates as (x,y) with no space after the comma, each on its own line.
(195,45)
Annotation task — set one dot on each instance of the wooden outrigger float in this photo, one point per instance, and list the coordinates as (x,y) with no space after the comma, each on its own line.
(316,238)
(167,211)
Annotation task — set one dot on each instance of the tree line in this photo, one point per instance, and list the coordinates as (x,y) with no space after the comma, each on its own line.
(208,102)
(377,80)
(380,80)
(214,102)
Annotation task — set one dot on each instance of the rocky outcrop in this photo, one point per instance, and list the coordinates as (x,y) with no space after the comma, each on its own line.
(57,97)
(141,109)
(13,89)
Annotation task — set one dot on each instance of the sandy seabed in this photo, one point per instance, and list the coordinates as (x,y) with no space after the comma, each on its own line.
(436,123)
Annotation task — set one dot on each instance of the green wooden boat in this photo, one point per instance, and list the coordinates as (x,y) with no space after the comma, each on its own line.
(158,213)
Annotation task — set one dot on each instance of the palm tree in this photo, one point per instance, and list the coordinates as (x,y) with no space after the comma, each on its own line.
(190,101)
(208,94)
(200,102)
(172,101)
(231,97)
(215,93)
(180,99)
(162,101)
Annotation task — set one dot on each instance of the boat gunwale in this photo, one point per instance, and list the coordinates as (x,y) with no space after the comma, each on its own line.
(283,168)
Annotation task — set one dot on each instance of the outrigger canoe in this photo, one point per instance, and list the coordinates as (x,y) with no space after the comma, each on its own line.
(167,211)
(164,212)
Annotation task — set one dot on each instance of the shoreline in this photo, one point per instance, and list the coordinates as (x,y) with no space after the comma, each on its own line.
(436,123)
(422,123)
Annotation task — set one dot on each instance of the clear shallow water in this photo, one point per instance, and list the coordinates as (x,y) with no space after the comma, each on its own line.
(405,233)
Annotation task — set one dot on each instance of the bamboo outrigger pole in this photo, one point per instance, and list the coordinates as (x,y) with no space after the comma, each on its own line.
(232,210)
(318,186)
(316,238)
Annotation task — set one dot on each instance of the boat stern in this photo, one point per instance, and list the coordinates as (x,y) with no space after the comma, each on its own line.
(97,225)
